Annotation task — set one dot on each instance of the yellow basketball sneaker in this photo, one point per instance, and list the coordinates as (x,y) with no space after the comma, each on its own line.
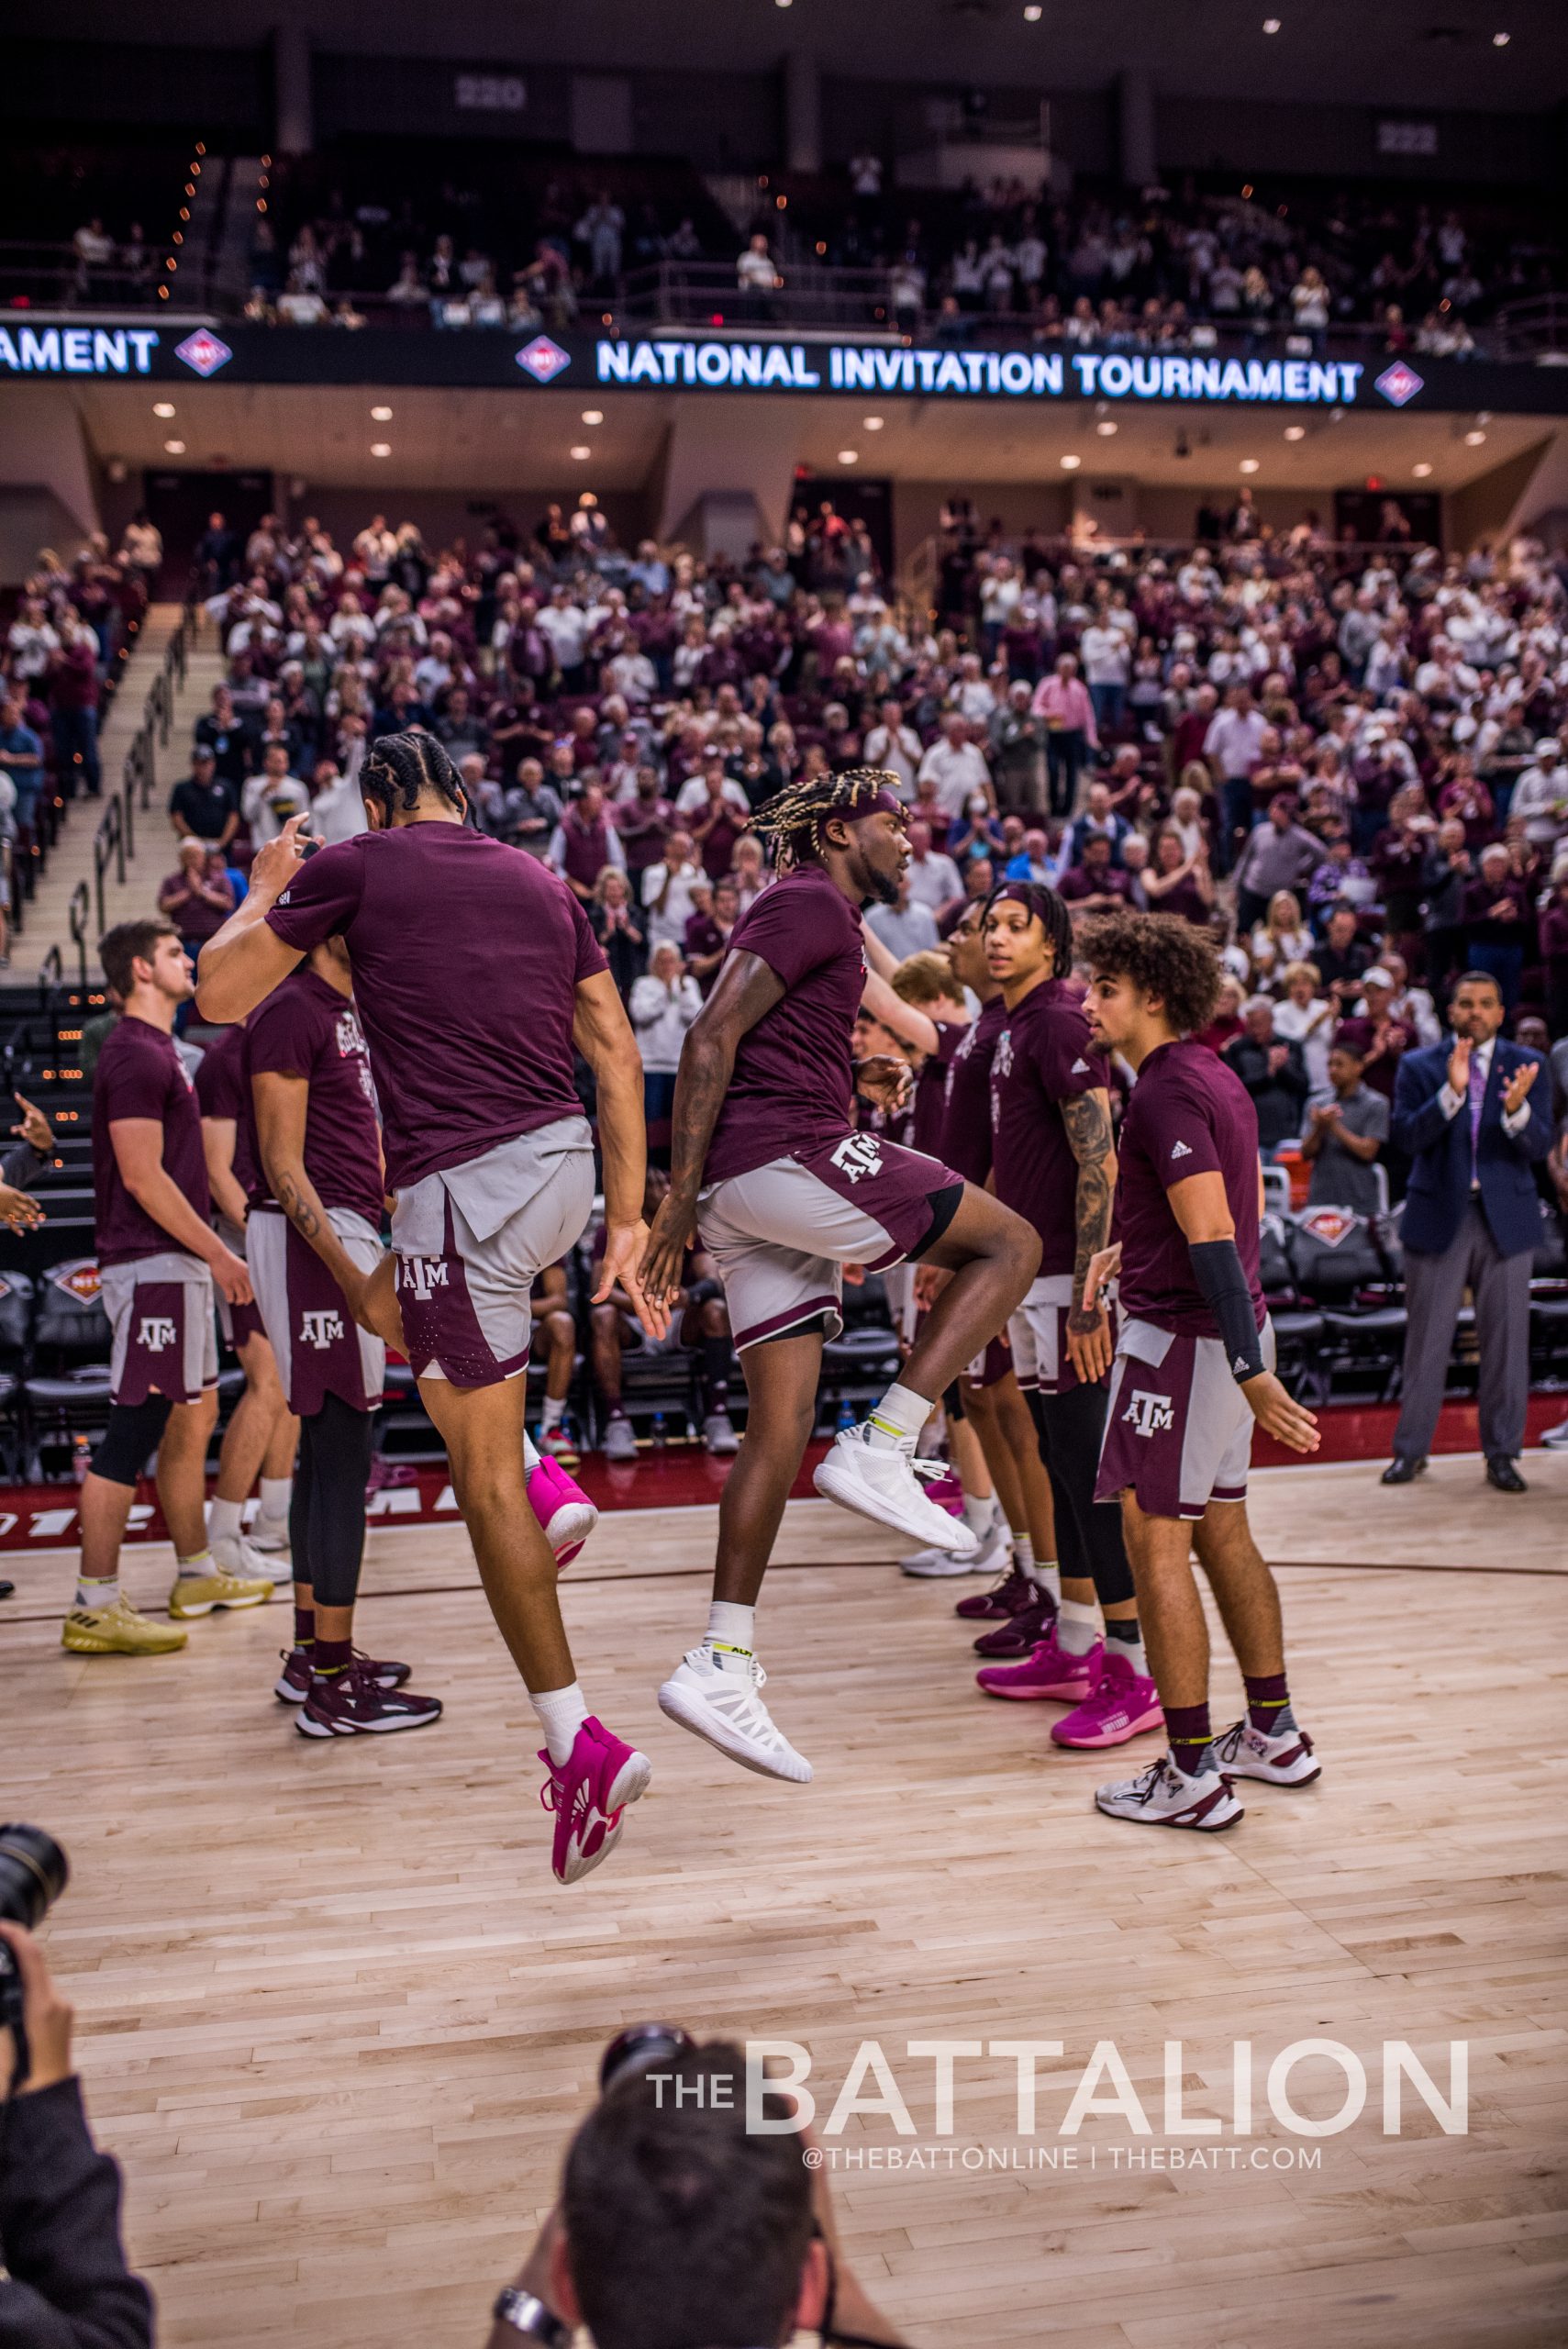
(203,1593)
(117,1630)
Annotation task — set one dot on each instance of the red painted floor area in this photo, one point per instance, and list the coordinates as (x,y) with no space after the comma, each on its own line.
(683,1477)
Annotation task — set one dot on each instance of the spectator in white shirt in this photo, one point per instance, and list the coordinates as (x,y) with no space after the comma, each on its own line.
(934,879)
(1233,746)
(667,892)
(337,811)
(272,797)
(955,765)
(664,1002)
(1106,655)
(904,927)
(895,747)
(564,627)
(31,642)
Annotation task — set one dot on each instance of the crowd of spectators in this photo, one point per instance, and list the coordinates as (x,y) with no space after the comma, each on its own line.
(1353,762)
(1159,269)
(60,652)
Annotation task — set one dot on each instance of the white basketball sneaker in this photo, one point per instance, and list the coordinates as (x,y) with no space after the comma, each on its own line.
(885,1487)
(269,1536)
(990,1558)
(1284,1760)
(233,1554)
(725,1708)
(1163,1796)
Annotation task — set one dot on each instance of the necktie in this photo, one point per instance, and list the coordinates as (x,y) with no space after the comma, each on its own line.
(1477,1094)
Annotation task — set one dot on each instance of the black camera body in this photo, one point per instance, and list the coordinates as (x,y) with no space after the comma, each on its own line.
(34,1872)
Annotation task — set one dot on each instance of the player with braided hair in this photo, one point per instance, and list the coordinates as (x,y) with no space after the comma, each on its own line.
(765,1153)
(475,973)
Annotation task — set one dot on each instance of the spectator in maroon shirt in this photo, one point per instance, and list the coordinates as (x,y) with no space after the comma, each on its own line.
(584,843)
(73,699)
(715,913)
(1095,885)
(644,822)
(1554,953)
(199,896)
(1384,1037)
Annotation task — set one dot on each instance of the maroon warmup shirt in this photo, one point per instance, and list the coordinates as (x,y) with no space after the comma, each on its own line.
(1043,1057)
(140,1075)
(466,959)
(306,1028)
(1189,1114)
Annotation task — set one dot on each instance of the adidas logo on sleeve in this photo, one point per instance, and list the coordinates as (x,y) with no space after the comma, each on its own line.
(1080,1068)
(1180,1149)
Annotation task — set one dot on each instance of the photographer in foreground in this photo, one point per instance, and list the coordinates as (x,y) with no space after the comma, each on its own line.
(68,2286)
(676,2229)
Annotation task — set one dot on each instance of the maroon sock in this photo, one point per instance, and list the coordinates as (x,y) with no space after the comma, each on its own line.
(304,1627)
(1268,1701)
(1188,1727)
(332,1655)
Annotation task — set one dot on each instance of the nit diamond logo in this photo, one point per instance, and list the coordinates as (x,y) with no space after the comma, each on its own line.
(203,352)
(1398,383)
(543,359)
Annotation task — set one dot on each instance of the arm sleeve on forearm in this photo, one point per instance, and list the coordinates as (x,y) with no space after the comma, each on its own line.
(21,1165)
(1218,1268)
(60,2235)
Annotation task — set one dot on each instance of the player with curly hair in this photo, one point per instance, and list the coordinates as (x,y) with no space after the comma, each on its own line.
(766,1157)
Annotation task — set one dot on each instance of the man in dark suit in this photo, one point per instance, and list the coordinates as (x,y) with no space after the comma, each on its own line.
(1473,1118)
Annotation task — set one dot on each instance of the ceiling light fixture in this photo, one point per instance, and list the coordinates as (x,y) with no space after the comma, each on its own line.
(592,415)
(164,407)
(874,423)
(1271,24)
(1107,429)
(1473,440)
(1071,464)
(1249,464)
(176,447)
(1032,15)
(1295,431)
(849,456)
(1499,41)
(381,447)
(1420,472)
(380,415)
(581,454)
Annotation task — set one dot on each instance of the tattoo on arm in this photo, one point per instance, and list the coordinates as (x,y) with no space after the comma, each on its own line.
(1088,1123)
(299,1211)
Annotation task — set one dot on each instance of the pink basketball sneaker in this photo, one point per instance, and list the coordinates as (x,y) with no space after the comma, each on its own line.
(1122,1704)
(588,1794)
(1048,1672)
(562,1507)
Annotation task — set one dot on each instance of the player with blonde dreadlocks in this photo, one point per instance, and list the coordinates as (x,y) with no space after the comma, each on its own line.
(765,1152)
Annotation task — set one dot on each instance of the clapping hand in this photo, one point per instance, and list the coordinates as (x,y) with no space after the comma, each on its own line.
(1517,1090)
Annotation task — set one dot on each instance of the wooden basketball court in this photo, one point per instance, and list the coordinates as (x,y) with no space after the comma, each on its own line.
(336,2019)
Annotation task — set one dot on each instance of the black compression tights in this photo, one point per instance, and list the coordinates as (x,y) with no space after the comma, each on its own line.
(327,1514)
(1089,1545)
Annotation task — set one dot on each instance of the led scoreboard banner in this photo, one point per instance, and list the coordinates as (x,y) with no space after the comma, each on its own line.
(39,349)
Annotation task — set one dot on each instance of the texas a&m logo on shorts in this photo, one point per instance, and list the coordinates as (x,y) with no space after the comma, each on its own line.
(1149,1414)
(423,1274)
(321,1329)
(155,1331)
(856,1155)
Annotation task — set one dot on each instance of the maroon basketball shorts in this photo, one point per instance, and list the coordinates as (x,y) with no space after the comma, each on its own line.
(321,1347)
(780,1233)
(165,1343)
(1178,1429)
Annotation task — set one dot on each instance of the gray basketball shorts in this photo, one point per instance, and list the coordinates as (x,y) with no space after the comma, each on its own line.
(166,1340)
(781,1234)
(1178,1429)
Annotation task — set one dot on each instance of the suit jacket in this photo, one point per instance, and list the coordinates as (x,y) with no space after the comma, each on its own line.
(1439,1148)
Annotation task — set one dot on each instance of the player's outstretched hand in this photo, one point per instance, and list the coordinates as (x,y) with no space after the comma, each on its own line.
(1102,1269)
(276,863)
(885,1080)
(663,1254)
(18,1208)
(627,1251)
(34,1129)
(228,1271)
(1276,1413)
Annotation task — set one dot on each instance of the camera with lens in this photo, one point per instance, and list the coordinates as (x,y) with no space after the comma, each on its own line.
(33,1875)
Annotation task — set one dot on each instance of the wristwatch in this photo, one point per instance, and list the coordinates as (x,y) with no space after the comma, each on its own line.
(531,2318)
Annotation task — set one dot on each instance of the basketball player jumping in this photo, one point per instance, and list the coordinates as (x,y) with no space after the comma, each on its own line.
(1194,1369)
(1055,1162)
(315,1241)
(474,973)
(764,1155)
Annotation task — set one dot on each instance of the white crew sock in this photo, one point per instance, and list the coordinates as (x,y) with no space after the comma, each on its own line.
(224,1519)
(895,1422)
(97,1594)
(731,1630)
(203,1562)
(562,1713)
(1077,1627)
(980,1512)
(1023,1552)
(276,1494)
(1119,1642)
(551,1413)
(530,1453)
(1046,1575)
